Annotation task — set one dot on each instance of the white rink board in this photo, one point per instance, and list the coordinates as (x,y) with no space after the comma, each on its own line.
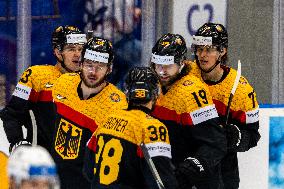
(253,164)
(4,144)
(189,15)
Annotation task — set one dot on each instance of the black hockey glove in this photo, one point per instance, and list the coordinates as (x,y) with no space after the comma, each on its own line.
(13,146)
(233,135)
(189,172)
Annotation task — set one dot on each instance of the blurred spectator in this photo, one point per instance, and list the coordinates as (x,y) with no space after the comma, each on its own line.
(32,167)
(119,21)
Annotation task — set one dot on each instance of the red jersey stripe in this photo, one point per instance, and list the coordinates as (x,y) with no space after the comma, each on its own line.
(164,113)
(77,117)
(45,96)
(236,115)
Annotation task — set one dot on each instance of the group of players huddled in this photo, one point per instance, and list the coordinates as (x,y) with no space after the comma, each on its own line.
(167,129)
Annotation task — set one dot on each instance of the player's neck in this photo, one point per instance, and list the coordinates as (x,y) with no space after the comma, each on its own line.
(149,105)
(215,75)
(61,69)
(87,91)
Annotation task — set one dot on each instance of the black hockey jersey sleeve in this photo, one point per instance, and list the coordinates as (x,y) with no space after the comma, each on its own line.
(34,86)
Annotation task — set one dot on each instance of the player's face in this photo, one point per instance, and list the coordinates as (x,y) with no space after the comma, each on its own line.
(31,184)
(71,55)
(94,73)
(35,184)
(167,73)
(207,56)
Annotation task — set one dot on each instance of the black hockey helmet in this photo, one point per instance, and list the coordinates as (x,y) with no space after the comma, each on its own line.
(169,45)
(217,33)
(98,49)
(142,85)
(62,35)
(211,34)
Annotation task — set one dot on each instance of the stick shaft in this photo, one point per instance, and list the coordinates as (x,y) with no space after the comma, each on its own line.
(152,166)
(34,143)
(238,76)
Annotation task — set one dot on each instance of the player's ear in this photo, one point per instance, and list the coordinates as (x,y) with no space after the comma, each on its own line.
(109,69)
(57,53)
(181,66)
(81,64)
(223,51)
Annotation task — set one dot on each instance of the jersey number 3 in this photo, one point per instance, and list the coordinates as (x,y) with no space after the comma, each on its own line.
(110,153)
(25,77)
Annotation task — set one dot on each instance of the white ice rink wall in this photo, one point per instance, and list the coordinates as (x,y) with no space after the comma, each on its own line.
(188,16)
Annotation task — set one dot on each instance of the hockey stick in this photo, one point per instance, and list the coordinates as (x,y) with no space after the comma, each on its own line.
(238,76)
(34,143)
(90,34)
(152,166)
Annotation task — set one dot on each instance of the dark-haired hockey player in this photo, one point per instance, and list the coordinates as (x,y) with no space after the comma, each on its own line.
(210,46)
(186,108)
(33,91)
(115,159)
(82,100)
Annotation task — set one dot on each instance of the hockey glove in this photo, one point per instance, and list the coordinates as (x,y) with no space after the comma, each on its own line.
(233,135)
(189,172)
(13,146)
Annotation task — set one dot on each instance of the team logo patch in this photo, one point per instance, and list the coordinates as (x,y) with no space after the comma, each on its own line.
(187,83)
(68,139)
(115,97)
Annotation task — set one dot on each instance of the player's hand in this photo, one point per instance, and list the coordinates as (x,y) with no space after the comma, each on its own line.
(189,172)
(13,146)
(233,135)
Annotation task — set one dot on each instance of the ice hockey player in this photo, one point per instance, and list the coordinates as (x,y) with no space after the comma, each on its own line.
(114,158)
(82,100)
(210,45)
(186,108)
(33,91)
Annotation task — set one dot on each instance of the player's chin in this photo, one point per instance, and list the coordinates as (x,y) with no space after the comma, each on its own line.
(164,78)
(75,68)
(164,82)
(91,84)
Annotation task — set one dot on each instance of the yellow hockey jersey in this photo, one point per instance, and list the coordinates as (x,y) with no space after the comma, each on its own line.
(244,106)
(188,112)
(76,120)
(33,92)
(243,113)
(115,157)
